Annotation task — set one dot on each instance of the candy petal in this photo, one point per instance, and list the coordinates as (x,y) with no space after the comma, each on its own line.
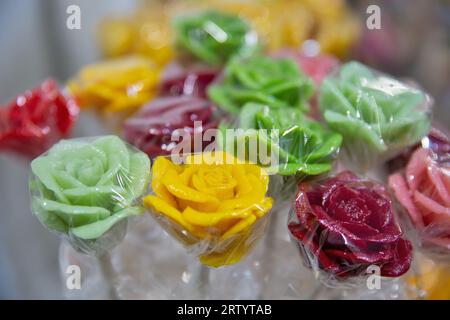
(239,227)
(435,176)
(72,215)
(431,205)
(398,184)
(207,219)
(179,190)
(401,262)
(97,229)
(162,207)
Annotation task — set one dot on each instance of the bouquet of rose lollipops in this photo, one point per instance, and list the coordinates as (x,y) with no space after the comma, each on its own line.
(229,134)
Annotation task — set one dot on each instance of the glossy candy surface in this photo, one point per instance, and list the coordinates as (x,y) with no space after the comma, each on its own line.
(346,224)
(158,127)
(277,83)
(82,188)
(423,190)
(213,203)
(298,146)
(36,119)
(116,86)
(214,37)
(377,115)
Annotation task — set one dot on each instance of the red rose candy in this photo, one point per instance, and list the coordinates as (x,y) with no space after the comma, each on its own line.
(346,224)
(192,83)
(152,127)
(423,189)
(36,120)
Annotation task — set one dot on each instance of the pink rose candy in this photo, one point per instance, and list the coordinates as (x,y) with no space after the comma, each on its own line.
(423,189)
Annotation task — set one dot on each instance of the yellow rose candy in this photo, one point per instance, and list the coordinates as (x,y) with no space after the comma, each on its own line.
(288,23)
(212,201)
(116,86)
(116,36)
(147,32)
(278,24)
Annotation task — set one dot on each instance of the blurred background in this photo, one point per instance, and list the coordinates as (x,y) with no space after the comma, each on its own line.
(413,43)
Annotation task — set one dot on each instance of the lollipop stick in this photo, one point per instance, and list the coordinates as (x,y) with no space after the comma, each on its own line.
(269,250)
(109,274)
(418,289)
(203,281)
(279,214)
(317,292)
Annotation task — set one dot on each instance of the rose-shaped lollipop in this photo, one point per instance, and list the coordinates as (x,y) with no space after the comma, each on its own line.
(436,141)
(424,191)
(277,83)
(116,86)
(36,119)
(213,202)
(301,146)
(345,225)
(153,128)
(146,32)
(378,116)
(83,188)
(215,37)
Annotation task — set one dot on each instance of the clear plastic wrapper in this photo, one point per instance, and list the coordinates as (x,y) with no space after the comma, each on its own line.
(162,125)
(212,203)
(345,228)
(422,189)
(297,145)
(377,115)
(215,37)
(84,189)
(116,88)
(36,119)
(270,271)
(174,273)
(277,83)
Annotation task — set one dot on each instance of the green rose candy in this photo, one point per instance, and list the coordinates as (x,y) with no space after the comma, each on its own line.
(215,37)
(277,83)
(303,147)
(84,188)
(377,115)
